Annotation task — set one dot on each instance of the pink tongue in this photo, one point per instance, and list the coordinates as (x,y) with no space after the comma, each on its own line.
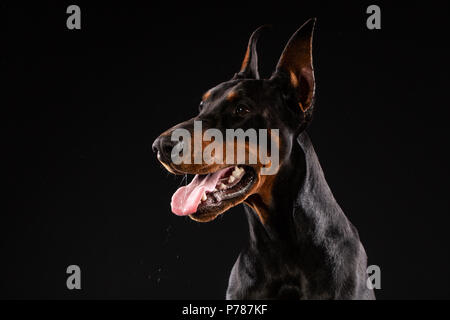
(186,199)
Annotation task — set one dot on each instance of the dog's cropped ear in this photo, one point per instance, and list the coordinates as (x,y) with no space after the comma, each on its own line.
(295,67)
(249,68)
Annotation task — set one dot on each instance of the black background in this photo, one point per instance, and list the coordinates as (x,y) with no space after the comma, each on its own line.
(82,107)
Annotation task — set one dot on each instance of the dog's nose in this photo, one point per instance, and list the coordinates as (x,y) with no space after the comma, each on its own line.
(155,145)
(163,145)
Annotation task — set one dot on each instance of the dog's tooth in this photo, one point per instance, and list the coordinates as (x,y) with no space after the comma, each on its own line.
(215,190)
(231,179)
(238,172)
(222,186)
(204,197)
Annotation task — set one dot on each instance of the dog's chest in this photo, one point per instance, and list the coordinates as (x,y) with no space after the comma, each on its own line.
(252,278)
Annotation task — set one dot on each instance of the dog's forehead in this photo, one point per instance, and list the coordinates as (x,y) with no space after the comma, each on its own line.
(234,89)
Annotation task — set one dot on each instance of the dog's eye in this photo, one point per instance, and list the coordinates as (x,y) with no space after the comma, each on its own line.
(200,106)
(241,110)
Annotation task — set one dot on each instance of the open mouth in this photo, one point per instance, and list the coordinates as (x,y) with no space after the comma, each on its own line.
(213,193)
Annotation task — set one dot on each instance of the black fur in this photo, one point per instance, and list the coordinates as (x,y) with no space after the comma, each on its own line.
(306,249)
(309,250)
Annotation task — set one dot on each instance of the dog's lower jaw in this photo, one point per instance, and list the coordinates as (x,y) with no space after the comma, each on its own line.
(307,249)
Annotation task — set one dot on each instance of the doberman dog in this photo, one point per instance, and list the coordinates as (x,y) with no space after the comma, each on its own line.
(301,245)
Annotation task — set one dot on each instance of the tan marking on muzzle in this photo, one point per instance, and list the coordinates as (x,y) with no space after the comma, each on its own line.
(206,95)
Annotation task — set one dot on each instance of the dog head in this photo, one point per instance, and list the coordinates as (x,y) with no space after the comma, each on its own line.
(246,104)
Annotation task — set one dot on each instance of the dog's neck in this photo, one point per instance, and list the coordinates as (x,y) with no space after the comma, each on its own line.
(303,213)
(306,248)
